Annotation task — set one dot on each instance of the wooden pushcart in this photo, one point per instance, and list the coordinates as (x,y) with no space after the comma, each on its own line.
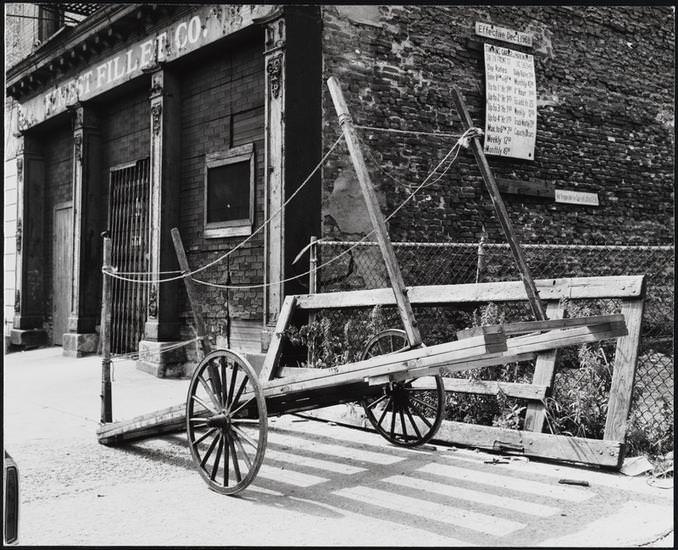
(398,379)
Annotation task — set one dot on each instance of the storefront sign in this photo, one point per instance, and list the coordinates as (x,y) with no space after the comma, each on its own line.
(510,104)
(577,197)
(503,34)
(205,25)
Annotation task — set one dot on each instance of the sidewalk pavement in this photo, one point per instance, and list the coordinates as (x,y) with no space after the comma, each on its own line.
(320,484)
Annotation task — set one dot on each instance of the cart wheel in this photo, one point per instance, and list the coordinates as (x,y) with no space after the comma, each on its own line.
(408,413)
(226,421)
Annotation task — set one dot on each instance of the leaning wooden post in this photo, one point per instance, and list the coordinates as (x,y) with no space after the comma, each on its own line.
(404,306)
(106,402)
(500,209)
(191,291)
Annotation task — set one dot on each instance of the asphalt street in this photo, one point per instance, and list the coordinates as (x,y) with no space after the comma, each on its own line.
(320,484)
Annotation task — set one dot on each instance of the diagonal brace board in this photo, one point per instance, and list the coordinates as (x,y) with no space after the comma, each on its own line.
(376,217)
(500,209)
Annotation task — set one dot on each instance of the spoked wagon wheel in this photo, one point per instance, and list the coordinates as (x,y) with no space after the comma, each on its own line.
(407,413)
(226,421)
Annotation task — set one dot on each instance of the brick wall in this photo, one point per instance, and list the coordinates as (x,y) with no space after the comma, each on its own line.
(604,124)
(125,134)
(58,156)
(222,102)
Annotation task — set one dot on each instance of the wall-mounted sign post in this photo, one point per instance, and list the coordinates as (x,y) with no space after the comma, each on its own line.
(510,103)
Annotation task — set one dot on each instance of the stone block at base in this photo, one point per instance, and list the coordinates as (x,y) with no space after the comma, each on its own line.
(79,345)
(28,339)
(163,364)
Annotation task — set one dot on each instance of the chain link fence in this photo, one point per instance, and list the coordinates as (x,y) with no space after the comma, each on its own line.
(578,401)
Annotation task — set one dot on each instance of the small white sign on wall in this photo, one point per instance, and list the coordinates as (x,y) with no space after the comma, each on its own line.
(510,103)
(503,34)
(577,197)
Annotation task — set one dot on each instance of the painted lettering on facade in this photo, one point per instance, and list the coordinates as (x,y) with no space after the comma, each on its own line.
(510,103)
(206,25)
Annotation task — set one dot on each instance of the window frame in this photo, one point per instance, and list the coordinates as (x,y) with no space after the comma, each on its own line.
(232,228)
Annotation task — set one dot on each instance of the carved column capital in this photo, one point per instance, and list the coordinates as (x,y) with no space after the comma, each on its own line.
(157,81)
(275,33)
(274,69)
(156,114)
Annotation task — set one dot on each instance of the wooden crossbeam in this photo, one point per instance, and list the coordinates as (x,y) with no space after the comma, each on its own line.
(559,447)
(509,291)
(523,327)
(421,358)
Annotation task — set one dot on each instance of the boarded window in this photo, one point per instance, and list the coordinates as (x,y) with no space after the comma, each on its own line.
(229,192)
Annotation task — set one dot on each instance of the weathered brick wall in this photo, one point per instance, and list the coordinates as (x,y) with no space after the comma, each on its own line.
(125,132)
(604,124)
(58,157)
(222,105)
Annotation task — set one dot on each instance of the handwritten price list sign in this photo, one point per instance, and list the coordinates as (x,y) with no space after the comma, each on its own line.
(511,103)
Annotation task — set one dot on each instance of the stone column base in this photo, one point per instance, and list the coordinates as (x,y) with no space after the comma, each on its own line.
(28,339)
(163,364)
(79,345)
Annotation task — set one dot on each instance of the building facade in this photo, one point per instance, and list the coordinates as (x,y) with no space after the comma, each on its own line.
(142,118)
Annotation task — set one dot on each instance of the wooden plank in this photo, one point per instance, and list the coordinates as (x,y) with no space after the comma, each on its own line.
(143,426)
(287,372)
(544,371)
(485,387)
(492,360)
(506,291)
(523,327)
(376,217)
(421,358)
(500,210)
(519,347)
(624,372)
(191,291)
(556,447)
(533,188)
(274,348)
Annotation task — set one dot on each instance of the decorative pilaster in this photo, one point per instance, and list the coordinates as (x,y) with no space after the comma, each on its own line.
(162,324)
(30,243)
(274,62)
(88,189)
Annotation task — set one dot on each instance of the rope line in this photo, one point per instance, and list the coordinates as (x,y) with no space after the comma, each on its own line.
(164,348)
(414,132)
(423,184)
(241,243)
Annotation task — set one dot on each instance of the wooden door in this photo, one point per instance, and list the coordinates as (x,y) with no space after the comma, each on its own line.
(62,268)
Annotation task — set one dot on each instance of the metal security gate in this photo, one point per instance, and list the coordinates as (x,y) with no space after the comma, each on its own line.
(128,222)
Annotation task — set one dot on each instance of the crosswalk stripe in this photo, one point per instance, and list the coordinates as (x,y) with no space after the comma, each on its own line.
(507,482)
(453,492)
(475,521)
(289,477)
(334,451)
(317,463)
